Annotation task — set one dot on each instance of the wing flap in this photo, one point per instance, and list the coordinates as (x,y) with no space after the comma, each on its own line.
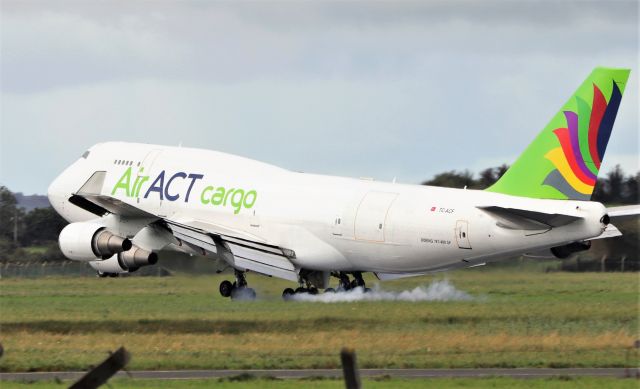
(241,253)
(195,238)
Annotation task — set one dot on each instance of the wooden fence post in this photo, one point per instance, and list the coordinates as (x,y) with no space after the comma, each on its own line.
(101,373)
(350,369)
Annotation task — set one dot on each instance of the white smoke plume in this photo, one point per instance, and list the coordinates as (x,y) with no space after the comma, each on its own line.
(441,290)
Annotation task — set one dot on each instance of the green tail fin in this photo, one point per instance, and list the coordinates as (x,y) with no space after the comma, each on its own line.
(564,160)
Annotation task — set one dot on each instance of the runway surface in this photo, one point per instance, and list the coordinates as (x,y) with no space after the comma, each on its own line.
(305,373)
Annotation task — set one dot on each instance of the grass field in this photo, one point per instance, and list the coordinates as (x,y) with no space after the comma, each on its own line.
(440,383)
(516,319)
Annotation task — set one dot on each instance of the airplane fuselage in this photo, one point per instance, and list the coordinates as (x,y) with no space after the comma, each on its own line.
(331,223)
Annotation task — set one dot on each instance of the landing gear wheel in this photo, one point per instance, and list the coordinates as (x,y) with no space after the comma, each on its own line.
(367,290)
(301,290)
(287,293)
(313,290)
(329,290)
(226,287)
(102,274)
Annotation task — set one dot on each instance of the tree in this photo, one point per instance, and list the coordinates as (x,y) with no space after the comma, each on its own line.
(453,179)
(41,225)
(8,213)
(490,176)
(616,185)
(632,195)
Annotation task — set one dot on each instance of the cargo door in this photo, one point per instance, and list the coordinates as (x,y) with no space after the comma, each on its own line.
(372,215)
(462,234)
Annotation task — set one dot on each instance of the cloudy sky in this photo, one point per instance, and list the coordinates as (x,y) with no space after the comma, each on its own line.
(375,89)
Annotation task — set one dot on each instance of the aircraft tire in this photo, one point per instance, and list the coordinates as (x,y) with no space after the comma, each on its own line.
(287,293)
(226,287)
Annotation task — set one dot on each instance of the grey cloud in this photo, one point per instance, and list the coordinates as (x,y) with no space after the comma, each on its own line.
(53,46)
(346,88)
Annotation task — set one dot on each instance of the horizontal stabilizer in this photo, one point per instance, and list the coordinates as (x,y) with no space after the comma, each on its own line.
(523,219)
(610,232)
(624,212)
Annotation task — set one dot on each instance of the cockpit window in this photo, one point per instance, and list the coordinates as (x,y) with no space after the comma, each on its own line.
(85,154)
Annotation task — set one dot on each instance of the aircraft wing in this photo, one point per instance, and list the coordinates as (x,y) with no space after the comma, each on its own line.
(241,250)
(88,197)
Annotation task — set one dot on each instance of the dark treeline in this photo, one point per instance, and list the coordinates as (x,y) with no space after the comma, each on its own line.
(613,188)
(20,229)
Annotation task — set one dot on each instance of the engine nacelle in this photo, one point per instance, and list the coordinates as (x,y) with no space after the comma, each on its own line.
(87,241)
(565,251)
(126,261)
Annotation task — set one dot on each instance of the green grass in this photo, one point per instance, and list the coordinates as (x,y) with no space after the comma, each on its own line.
(36,249)
(444,383)
(518,319)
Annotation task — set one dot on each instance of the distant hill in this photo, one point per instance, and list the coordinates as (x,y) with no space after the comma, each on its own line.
(32,201)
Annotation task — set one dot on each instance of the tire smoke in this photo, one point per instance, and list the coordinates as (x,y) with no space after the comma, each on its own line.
(441,290)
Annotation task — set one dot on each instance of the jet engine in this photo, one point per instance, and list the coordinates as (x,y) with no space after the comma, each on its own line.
(565,251)
(86,241)
(125,262)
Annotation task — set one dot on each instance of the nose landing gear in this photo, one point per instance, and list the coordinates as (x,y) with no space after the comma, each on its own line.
(239,290)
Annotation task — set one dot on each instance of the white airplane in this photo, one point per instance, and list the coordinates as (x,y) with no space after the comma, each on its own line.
(130,204)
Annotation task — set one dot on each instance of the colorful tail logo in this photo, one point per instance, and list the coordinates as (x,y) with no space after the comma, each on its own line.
(582,145)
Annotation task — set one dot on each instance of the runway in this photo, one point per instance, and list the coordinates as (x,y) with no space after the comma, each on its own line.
(336,373)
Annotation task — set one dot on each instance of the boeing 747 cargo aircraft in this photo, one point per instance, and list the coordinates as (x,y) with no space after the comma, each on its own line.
(130,205)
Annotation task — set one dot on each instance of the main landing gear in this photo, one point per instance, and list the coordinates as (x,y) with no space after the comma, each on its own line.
(239,290)
(344,284)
